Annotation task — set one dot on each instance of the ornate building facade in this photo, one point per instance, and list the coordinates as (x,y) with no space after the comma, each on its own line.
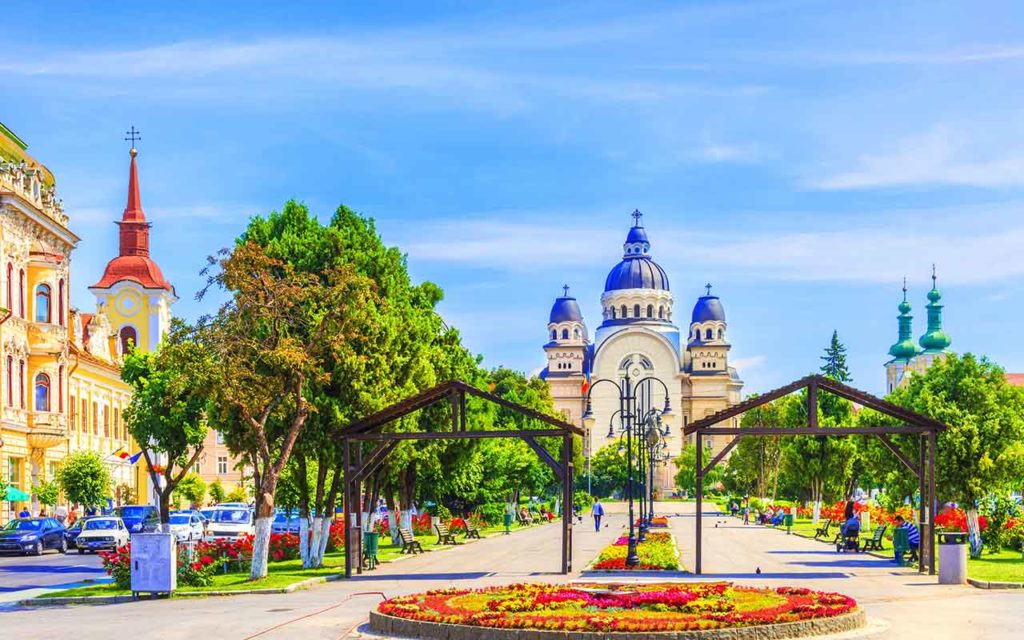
(639,333)
(908,357)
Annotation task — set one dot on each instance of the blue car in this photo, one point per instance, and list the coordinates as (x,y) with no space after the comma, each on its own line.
(139,518)
(33,535)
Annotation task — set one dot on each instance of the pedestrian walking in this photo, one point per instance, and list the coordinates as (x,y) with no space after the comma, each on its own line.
(24,513)
(597,510)
(746,514)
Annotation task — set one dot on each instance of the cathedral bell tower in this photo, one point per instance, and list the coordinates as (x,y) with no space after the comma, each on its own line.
(133,291)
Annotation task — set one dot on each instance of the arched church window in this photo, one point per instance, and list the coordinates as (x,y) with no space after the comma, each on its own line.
(10,286)
(21,293)
(575,334)
(565,334)
(613,312)
(661,313)
(129,338)
(650,311)
(60,389)
(42,303)
(707,334)
(554,334)
(10,381)
(42,392)
(21,383)
(624,313)
(636,311)
(721,334)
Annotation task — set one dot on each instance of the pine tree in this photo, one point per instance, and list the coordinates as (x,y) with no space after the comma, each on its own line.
(835,360)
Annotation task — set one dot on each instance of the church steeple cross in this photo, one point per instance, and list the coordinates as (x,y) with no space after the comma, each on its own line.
(565,291)
(133,134)
(636,217)
(707,287)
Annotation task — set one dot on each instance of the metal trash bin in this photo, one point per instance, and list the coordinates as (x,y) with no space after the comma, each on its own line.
(900,543)
(952,557)
(371,540)
(787,521)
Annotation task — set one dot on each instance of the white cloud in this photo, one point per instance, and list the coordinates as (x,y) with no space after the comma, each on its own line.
(748,363)
(733,153)
(937,157)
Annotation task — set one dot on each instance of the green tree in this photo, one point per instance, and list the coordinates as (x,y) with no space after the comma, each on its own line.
(48,492)
(272,342)
(216,490)
(982,451)
(238,493)
(84,478)
(834,360)
(686,471)
(170,390)
(192,488)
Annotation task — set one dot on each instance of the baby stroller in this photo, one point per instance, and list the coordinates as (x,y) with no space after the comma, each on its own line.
(848,539)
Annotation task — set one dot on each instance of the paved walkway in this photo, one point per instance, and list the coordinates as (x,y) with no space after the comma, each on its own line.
(900,602)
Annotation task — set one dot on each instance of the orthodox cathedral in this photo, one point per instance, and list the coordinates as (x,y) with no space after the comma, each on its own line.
(908,357)
(639,333)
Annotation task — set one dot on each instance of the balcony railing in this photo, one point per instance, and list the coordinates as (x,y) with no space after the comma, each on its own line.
(47,429)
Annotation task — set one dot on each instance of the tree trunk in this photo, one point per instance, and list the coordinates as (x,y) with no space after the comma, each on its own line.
(165,510)
(973,532)
(303,510)
(389,499)
(266,488)
(816,490)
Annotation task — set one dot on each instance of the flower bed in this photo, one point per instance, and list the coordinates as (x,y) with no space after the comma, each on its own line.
(617,607)
(657,553)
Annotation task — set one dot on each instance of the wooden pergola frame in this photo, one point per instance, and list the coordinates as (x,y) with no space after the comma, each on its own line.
(914,424)
(371,429)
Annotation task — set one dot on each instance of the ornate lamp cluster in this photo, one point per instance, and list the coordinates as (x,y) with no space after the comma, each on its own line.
(644,425)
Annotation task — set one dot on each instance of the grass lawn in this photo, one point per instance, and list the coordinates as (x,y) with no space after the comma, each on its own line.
(279,574)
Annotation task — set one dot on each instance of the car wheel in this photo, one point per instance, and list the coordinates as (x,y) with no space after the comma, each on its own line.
(81,552)
(38,549)
(63,548)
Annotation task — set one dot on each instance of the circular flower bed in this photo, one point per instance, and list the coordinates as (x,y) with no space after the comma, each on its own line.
(617,607)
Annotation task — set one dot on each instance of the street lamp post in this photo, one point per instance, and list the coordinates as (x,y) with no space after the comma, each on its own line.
(630,422)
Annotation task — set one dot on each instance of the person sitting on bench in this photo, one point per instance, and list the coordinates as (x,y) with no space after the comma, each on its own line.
(777,518)
(850,515)
(913,535)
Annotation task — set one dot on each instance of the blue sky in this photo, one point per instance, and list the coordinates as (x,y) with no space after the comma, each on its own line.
(801,156)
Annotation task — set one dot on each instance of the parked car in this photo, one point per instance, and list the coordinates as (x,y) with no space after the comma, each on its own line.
(138,518)
(230,522)
(187,526)
(33,535)
(285,523)
(71,533)
(103,532)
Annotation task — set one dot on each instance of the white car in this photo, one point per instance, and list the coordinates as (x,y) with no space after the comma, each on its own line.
(230,522)
(187,527)
(102,533)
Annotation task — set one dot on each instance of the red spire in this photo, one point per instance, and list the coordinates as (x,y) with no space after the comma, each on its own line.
(133,210)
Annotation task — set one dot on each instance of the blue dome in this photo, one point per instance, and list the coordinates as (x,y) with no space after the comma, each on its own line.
(637,234)
(708,308)
(636,273)
(565,309)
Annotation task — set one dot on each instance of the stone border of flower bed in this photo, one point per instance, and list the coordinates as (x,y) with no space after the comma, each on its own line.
(401,627)
(986,584)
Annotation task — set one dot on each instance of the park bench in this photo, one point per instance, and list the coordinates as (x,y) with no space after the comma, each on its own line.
(822,531)
(875,542)
(472,531)
(409,543)
(526,520)
(444,535)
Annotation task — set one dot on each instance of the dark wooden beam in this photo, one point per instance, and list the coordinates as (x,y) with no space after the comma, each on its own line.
(891,446)
(546,457)
(458,435)
(453,401)
(812,404)
(817,431)
(721,454)
(374,460)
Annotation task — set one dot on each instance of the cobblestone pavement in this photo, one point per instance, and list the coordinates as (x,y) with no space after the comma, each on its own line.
(898,601)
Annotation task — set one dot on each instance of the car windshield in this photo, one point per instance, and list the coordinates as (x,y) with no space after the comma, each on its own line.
(182,518)
(105,523)
(236,516)
(23,525)
(131,512)
(282,518)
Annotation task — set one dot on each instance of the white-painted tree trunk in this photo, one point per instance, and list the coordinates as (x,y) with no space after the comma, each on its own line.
(973,532)
(325,534)
(260,548)
(393,527)
(816,516)
(314,544)
(304,546)
(406,520)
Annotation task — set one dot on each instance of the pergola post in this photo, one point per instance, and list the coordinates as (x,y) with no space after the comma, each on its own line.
(922,486)
(567,504)
(700,503)
(346,500)
(932,498)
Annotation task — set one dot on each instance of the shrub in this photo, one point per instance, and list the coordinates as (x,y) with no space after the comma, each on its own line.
(443,512)
(118,565)
(492,513)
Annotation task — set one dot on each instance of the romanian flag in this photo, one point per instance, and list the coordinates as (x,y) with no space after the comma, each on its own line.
(586,382)
(135,458)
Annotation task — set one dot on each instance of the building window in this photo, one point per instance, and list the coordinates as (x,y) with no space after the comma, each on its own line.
(106,421)
(222,465)
(575,334)
(650,311)
(21,383)
(721,334)
(85,416)
(21,293)
(43,303)
(95,418)
(554,334)
(613,313)
(73,413)
(60,389)
(220,437)
(636,311)
(60,303)
(14,472)
(129,338)
(10,381)
(624,313)
(117,423)
(42,392)
(565,334)
(707,334)
(661,313)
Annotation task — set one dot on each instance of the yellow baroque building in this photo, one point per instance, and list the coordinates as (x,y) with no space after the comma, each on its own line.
(61,383)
